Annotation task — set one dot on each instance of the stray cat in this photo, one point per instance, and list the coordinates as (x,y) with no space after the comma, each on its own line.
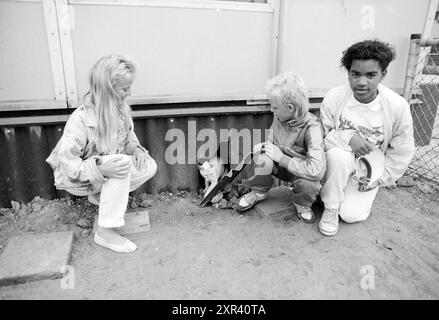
(212,171)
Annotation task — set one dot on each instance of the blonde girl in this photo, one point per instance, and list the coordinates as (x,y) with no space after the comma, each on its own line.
(99,155)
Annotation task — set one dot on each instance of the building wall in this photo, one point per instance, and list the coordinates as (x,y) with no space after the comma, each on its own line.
(314,33)
(190,50)
(180,52)
(187,51)
(25,174)
(25,69)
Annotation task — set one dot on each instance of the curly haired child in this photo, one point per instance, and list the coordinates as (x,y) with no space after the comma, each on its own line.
(361,119)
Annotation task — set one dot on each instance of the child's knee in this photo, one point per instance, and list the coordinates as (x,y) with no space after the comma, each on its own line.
(263,164)
(149,170)
(109,157)
(353,215)
(338,159)
(336,155)
(152,167)
(306,186)
(146,173)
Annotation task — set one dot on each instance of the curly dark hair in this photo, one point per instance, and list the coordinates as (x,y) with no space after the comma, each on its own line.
(375,49)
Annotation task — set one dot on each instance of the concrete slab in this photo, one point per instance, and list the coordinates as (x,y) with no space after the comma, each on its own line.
(136,221)
(35,257)
(277,205)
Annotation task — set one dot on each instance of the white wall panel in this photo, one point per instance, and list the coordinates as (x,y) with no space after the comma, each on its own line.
(25,67)
(180,51)
(314,33)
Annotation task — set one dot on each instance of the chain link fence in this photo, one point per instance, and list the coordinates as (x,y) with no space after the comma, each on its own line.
(422,91)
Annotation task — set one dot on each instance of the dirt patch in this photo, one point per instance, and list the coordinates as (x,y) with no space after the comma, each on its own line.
(41,216)
(209,253)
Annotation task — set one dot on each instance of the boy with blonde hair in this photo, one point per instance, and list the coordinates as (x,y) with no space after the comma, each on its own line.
(294,150)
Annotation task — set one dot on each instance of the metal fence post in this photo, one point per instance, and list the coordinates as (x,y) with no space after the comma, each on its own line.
(412,61)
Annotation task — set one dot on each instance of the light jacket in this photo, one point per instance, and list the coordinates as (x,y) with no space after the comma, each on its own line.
(398,145)
(74,158)
(301,141)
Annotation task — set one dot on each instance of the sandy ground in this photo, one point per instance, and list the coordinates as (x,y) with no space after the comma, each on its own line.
(207,253)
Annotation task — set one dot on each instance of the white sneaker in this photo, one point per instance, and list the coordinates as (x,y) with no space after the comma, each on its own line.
(249,200)
(94,198)
(329,222)
(304,213)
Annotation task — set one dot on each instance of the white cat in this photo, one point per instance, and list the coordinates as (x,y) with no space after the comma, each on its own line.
(212,171)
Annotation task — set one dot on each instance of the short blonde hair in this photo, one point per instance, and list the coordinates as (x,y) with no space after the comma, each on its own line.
(289,88)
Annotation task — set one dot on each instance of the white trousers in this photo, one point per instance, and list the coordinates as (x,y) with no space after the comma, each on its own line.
(340,190)
(114,192)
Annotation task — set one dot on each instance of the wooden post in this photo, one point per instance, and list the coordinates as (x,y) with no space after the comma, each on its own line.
(429,20)
(52,34)
(65,26)
(412,63)
(275,40)
(426,36)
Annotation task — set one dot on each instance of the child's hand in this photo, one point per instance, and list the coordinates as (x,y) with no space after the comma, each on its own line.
(272,151)
(369,186)
(139,158)
(257,148)
(117,167)
(359,145)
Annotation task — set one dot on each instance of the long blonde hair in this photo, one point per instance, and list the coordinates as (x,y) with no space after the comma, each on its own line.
(105,75)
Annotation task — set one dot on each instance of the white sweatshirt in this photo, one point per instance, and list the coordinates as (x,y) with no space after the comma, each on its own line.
(398,145)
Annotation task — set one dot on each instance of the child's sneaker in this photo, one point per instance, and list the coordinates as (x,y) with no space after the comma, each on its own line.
(329,222)
(94,198)
(249,200)
(304,213)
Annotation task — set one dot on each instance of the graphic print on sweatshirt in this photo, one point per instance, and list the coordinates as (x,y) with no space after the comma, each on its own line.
(364,119)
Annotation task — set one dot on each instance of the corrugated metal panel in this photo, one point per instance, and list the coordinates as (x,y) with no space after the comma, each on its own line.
(23,170)
(25,174)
